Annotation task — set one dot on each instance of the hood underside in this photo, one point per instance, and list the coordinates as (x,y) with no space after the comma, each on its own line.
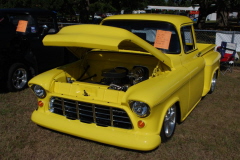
(102,37)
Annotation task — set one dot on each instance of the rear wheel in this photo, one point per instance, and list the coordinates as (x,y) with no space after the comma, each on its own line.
(169,124)
(213,83)
(17,77)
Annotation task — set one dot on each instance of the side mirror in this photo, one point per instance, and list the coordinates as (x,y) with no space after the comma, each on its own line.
(44,29)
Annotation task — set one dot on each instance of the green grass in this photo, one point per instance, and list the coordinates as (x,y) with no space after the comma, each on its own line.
(210,132)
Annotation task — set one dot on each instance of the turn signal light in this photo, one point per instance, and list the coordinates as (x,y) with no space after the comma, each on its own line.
(40,103)
(141,124)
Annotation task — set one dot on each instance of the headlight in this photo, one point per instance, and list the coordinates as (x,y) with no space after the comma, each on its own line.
(39,91)
(140,108)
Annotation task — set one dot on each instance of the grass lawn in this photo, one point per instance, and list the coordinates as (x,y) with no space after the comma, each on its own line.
(210,132)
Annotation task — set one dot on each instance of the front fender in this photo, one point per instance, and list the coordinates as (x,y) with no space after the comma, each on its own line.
(46,79)
(158,89)
(163,110)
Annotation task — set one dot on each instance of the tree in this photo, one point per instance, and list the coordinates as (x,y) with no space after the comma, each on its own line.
(82,8)
(44,4)
(54,5)
(129,5)
(171,3)
(221,7)
(14,3)
(206,7)
(185,3)
(157,2)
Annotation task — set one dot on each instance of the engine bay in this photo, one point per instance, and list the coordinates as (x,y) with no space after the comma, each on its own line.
(117,71)
(119,78)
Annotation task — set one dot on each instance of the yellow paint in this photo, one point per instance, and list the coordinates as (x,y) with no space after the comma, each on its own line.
(180,79)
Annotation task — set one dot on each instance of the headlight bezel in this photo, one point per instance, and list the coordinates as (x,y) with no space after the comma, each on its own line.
(39,91)
(141,109)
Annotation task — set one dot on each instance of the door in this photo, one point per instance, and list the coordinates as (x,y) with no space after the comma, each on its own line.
(47,57)
(194,64)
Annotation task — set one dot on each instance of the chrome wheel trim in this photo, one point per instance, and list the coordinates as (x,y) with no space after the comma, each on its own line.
(170,121)
(19,78)
(214,81)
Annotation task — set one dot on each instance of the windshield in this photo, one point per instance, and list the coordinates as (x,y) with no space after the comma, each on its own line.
(161,35)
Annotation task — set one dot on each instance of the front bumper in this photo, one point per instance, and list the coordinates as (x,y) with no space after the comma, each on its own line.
(109,135)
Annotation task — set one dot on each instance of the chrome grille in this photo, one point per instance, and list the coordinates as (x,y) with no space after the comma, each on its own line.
(90,113)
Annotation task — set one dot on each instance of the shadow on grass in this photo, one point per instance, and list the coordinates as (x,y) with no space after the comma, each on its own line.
(99,143)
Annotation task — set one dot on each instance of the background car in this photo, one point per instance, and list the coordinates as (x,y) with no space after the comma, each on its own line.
(22,54)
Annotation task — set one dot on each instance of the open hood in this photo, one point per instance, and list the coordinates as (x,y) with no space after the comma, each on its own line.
(89,36)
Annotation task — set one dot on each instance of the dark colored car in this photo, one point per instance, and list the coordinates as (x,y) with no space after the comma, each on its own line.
(22,54)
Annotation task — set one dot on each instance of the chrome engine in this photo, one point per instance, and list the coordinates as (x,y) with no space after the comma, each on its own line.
(120,78)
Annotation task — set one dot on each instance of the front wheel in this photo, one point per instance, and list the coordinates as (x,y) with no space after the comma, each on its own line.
(17,77)
(169,124)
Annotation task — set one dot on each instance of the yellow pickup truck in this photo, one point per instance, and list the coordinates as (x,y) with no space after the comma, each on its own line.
(137,77)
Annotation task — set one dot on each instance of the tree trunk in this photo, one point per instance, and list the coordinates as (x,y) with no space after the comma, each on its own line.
(201,18)
(205,9)
(222,18)
(84,12)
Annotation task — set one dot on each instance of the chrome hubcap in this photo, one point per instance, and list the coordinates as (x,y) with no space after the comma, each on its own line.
(19,78)
(170,121)
(214,80)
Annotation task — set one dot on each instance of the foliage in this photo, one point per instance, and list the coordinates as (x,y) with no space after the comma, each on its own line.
(101,7)
(47,4)
(221,7)
(94,5)
(157,2)
(84,8)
